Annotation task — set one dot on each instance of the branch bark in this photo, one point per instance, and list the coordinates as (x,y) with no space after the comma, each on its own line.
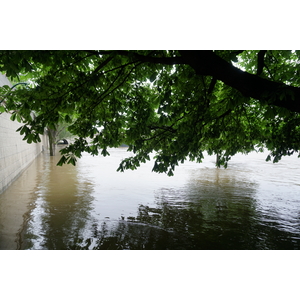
(260,61)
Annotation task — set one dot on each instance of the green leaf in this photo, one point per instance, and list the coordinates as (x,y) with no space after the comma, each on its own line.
(13,116)
(72,161)
(78,153)
(62,161)
(24,129)
(30,138)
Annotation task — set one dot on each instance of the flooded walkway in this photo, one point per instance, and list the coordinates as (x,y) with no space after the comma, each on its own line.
(251,205)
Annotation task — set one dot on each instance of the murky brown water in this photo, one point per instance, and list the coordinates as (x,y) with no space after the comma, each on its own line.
(251,205)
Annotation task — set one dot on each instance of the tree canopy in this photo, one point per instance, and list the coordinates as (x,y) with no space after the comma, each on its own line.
(176,104)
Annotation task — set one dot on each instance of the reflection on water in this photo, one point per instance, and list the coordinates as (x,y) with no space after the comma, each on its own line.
(61,209)
(251,205)
(15,205)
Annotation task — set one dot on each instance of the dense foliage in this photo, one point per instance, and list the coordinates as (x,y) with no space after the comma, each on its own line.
(176,104)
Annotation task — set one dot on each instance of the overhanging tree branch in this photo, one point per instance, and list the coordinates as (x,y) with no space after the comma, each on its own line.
(208,63)
(266,91)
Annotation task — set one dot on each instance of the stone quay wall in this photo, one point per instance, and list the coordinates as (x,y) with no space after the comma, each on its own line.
(15,154)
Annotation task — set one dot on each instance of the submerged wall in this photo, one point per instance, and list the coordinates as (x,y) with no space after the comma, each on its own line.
(15,154)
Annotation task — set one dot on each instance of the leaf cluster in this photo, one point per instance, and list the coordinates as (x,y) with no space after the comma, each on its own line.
(152,101)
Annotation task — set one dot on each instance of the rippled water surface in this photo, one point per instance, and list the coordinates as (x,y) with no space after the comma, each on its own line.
(252,204)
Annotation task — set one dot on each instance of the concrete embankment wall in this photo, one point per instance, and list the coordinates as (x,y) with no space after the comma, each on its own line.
(15,154)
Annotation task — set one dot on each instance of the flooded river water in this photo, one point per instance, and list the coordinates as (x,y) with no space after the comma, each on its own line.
(252,204)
